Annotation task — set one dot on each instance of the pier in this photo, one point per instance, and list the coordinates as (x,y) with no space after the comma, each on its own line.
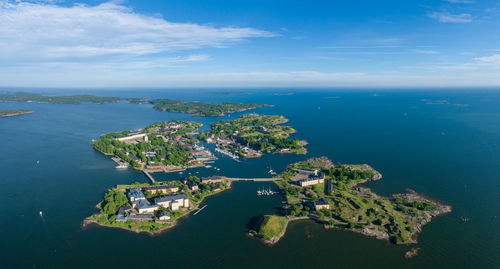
(149,176)
(198,211)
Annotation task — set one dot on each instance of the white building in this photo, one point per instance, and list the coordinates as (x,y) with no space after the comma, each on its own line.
(174,202)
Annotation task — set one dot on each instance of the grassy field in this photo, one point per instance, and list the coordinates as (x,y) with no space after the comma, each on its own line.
(7,112)
(352,206)
(272,226)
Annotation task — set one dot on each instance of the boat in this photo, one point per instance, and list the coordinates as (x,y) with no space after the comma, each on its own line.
(121,166)
(266,192)
(41,213)
(271,172)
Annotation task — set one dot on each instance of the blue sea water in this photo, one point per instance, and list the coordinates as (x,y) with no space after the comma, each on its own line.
(449,152)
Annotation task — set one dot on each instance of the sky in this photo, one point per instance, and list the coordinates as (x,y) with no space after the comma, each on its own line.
(239,43)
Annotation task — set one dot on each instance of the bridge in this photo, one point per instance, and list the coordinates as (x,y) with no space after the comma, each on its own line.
(149,176)
(251,179)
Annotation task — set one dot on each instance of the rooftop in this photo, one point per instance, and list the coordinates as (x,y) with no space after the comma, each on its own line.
(170,198)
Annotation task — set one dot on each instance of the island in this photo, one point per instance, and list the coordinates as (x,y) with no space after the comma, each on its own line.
(251,135)
(331,195)
(164,146)
(64,99)
(202,109)
(14,112)
(192,108)
(157,207)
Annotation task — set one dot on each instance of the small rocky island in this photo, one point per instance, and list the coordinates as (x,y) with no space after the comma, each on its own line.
(14,112)
(251,135)
(154,208)
(163,146)
(331,195)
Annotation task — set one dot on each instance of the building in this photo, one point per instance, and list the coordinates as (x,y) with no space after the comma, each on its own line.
(161,189)
(135,194)
(144,207)
(191,184)
(141,217)
(312,180)
(321,204)
(120,216)
(216,188)
(163,215)
(207,180)
(307,171)
(201,157)
(174,202)
(329,188)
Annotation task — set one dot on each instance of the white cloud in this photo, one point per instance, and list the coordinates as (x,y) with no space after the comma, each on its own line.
(492,60)
(460,1)
(421,51)
(451,18)
(44,31)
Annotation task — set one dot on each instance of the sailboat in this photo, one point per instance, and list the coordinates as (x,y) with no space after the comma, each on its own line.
(271,172)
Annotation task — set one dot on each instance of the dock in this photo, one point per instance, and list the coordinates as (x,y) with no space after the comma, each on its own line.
(198,211)
(149,176)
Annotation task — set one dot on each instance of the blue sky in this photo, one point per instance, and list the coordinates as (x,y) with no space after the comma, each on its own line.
(187,43)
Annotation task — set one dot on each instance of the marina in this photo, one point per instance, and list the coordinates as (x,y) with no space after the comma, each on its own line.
(266,192)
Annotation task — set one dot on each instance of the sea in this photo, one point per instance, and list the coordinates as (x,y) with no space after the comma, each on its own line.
(442,143)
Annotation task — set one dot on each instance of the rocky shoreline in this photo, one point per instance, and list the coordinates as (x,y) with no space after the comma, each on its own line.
(17,114)
(90,221)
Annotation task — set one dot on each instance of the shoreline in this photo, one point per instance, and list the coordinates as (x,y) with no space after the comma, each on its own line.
(445,209)
(89,221)
(17,114)
(371,230)
(276,239)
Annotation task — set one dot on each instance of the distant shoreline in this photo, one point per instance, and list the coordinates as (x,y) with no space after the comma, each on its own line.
(17,113)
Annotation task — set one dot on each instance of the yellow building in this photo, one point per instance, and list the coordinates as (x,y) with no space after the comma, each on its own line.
(161,189)
(321,204)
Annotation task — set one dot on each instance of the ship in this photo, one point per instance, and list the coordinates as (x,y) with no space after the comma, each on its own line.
(121,166)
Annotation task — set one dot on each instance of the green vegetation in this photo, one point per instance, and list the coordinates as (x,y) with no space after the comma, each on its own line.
(272,226)
(116,198)
(169,144)
(397,218)
(13,112)
(252,134)
(192,108)
(68,99)
(200,108)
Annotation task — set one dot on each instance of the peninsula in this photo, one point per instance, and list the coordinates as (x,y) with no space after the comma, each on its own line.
(202,109)
(14,112)
(63,99)
(251,135)
(154,208)
(192,108)
(164,146)
(331,195)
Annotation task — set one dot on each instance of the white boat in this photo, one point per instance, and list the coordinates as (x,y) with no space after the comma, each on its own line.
(271,172)
(41,213)
(266,192)
(121,166)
